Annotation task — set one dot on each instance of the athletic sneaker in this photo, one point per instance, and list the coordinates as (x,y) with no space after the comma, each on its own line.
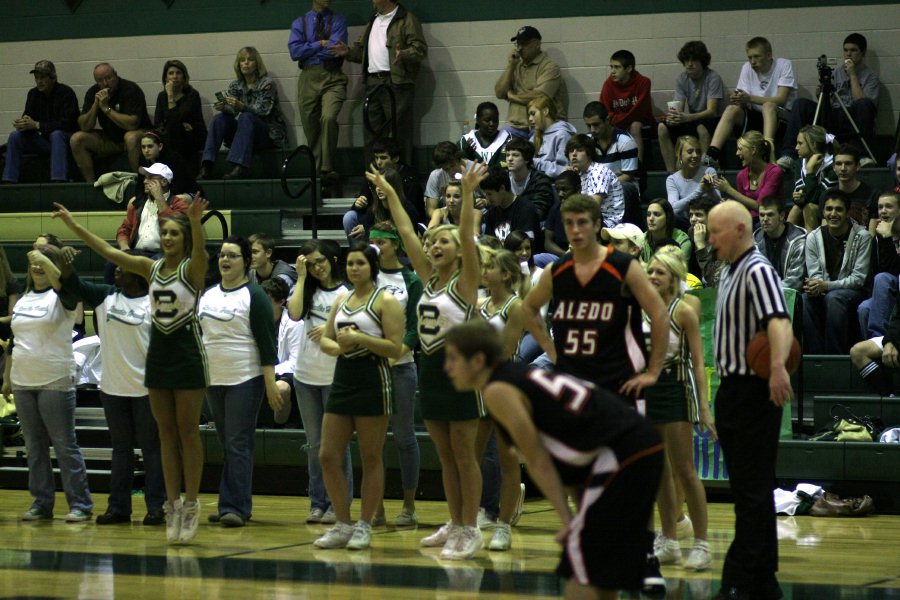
(669,552)
(379,521)
(484,521)
(452,541)
(786,162)
(78,516)
(502,537)
(469,542)
(708,161)
(520,501)
(173,520)
(328,517)
(684,529)
(362,536)
(336,537)
(315,515)
(699,557)
(406,519)
(232,520)
(190,521)
(36,514)
(438,538)
(867,161)
(654,582)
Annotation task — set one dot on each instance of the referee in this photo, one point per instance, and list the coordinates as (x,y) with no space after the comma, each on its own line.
(748,408)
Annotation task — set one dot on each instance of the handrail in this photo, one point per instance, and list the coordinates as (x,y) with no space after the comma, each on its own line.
(393,120)
(214,213)
(313,180)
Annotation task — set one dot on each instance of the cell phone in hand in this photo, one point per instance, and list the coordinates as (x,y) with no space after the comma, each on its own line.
(220,97)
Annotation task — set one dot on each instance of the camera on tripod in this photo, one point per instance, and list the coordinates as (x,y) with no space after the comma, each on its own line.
(826,73)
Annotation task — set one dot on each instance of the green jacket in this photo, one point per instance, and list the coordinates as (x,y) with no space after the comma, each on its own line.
(404,32)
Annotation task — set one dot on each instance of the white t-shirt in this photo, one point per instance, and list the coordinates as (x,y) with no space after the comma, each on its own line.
(148,230)
(289,332)
(123,324)
(314,367)
(42,352)
(378,52)
(395,284)
(766,84)
(231,350)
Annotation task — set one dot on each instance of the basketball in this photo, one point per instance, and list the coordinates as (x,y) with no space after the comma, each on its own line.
(758,355)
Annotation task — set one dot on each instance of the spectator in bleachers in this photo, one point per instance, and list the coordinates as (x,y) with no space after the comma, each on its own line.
(766,84)
(701,95)
(857,87)
(264,267)
(597,180)
(449,164)
(485,143)
(703,264)
(758,179)
(813,175)
(624,237)
(321,86)
(781,242)
(506,211)
(119,107)
(140,229)
(391,51)
(626,96)
(549,136)
(289,333)
(249,117)
(660,227)
(529,72)
(837,264)
(49,118)
(153,150)
(863,199)
(387,155)
(449,213)
(39,371)
(525,181)
(178,116)
(689,181)
(617,150)
(555,241)
(359,219)
(875,311)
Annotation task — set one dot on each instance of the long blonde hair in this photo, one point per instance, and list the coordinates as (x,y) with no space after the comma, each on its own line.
(6,274)
(540,103)
(685,140)
(508,263)
(672,259)
(759,146)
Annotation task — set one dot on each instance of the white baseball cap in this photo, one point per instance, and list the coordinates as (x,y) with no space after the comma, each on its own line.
(158,169)
(623,231)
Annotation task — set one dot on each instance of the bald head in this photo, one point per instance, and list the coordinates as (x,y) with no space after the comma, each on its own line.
(730,230)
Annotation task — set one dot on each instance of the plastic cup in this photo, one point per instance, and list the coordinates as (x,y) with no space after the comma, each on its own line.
(674,105)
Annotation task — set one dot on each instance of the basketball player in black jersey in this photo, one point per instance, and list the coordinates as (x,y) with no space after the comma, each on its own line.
(597,295)
(579,440)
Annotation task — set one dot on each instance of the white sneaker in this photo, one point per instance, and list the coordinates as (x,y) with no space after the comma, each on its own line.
(336,537)
(329,518)
(173,520)
(502,538)
(406,519)
(786,162)
(669,552)
(699,557)
(190,521)
(362,536)
(452,541)
(520,502)
(470,542)
(438,538)
(315,515)
(684,529)
(866,161)
(484,521)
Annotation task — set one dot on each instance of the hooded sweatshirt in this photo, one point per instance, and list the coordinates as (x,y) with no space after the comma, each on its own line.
(551,157)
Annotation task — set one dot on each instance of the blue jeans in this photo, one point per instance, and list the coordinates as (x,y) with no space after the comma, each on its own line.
(234,409)
(48,417)
(31,142)
(241,135)
(349,221)
(491,478)
(311,400)
(529,349)
(131,423)
(403,423)
(875,312)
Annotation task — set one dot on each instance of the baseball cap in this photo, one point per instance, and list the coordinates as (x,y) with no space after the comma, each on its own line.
(623,231)
(526,33)
(157,169)
(44,67)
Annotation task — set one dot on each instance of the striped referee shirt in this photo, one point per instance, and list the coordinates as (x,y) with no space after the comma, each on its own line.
(749,295)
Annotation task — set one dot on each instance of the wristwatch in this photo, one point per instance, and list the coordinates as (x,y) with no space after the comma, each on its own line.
(108,109)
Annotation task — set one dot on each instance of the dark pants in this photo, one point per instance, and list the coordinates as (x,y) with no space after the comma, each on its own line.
(834,120)
(827,322)
(243,135)
(748,425)
(131,424)
(380,114)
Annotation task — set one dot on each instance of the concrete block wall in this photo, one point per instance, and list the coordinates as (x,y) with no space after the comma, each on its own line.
(465,59)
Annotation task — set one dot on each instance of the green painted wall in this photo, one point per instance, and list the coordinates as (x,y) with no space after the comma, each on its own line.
(26,20)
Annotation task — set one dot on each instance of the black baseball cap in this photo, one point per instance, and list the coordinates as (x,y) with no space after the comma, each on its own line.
(44,67)
(526,33)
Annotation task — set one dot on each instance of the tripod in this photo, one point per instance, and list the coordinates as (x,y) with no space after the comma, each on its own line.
(829,91)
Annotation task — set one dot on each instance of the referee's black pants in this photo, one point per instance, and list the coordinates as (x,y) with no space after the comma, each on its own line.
(748,425)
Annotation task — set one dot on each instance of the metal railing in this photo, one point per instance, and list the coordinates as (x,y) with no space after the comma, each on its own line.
(313,180)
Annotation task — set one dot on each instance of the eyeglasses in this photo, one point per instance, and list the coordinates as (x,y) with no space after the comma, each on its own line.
(319,261)
(230,255)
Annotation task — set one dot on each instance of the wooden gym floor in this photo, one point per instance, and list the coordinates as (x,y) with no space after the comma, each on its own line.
(273,558)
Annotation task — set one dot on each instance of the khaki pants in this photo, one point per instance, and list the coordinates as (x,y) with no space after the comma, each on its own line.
(320,96)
